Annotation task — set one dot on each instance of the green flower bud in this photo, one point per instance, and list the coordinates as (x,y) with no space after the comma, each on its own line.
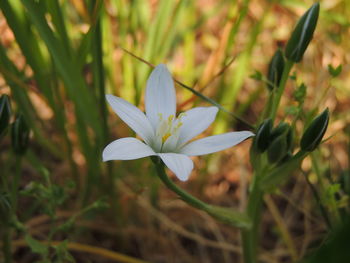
(5,114)
(281,128)
(281,142)
(262,138)
(302,34)
(20,135)
(275,71)
(278,148)
(315,132)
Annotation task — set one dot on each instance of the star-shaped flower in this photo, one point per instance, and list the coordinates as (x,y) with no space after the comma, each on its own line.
(164,134)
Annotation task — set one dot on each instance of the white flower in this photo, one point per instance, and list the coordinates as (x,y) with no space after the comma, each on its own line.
(164,134)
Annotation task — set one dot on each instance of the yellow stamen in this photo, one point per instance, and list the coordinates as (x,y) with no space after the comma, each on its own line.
(165,137)
(170,118)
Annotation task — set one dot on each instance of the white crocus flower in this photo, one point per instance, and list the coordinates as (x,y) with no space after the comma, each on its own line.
(164,134)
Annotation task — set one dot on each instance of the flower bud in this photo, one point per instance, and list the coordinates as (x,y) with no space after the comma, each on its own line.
(262,138)
(281,128)
(315,132)
(302,34)
(5,114)
(278,149)
(281,142)
(20,135)
(275,71)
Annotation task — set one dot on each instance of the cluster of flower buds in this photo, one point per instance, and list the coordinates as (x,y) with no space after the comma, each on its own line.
(276,141)
(19,128)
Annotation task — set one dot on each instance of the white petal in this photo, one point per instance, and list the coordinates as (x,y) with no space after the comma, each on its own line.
(195,121)
(133,117)
(215,143)
(126,149)
(160,95)
(181,165)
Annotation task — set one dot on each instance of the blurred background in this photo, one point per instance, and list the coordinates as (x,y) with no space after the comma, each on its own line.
(58,59)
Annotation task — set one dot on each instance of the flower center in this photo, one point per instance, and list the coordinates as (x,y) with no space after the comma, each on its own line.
(168,128)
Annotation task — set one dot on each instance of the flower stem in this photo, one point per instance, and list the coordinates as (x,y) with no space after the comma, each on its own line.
(188,198)
(225,215)
(250,236)
(280,89)
(15,184)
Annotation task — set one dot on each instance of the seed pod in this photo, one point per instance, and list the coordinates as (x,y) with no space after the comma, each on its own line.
(20,135)
(5,114)
(302,34)
(262,138)
(315,132)
(275,71)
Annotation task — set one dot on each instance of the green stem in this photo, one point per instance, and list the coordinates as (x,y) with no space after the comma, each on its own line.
(188,198)
(280,90)
(319,202)
(250,236)
(225,215)
(15,183)
(7,237)
(7,245)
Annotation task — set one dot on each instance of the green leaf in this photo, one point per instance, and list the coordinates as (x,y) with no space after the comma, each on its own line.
(62,253)
(335,71)
(257,75)
(35,245)
(300,93)
(302,34)
(335,248)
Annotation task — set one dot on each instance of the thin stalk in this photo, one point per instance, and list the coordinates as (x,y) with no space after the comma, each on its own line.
(286,236)
(15,183)
(7,244)
(280,89)
(7,237)
(188,198)
(332,203)
(318,200)
(225,215)
(250,236)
